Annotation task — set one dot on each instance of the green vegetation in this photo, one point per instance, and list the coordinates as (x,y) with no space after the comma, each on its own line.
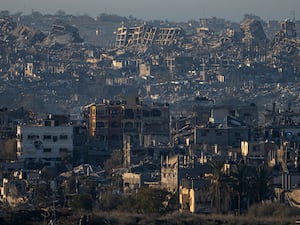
(150,200)
(145,201)
(237,186)
(82,202)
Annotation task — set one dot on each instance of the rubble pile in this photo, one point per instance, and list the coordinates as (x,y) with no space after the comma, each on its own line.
(63,33)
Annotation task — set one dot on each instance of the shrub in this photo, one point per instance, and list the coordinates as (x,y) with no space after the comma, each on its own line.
(273,210)
(150,200)
(82,202)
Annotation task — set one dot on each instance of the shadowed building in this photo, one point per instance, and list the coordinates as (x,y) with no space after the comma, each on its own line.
(145,125)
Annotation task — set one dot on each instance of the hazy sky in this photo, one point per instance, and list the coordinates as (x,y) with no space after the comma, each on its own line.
(173,10)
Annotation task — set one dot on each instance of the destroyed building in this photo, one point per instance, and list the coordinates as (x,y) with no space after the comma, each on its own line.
(253,32)
(288,27)
(63,33)
(287,32)
(146,35)
(175,169)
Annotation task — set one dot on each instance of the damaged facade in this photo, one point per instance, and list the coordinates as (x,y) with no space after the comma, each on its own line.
(146,35)
(48,144)
(146,125)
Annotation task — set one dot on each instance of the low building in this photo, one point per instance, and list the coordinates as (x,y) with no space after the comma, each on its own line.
(131,182)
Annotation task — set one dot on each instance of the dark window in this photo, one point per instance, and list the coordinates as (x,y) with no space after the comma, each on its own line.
(128,125)
(156,113)
(101,112)
(63,137)
(115,138)
(128,114)
(63,150)
(38,144)
(47,149)
(219,133)
(47,137)
(55,138)
(236,134)
(115,124)
(146,113)
(102,138)
(115,112)
(48,123)
(32,137)
(100,124)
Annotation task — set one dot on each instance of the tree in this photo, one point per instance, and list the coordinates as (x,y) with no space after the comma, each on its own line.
(251,183)
(82,202)
(41,194)
(127,203)
(151,200)
(109,200)
(261,183)
(220,187)
(241,183)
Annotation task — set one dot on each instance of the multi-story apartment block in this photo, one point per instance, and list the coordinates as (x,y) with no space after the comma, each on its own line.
(155,125)
(48,144)
(146,125)
(105,122)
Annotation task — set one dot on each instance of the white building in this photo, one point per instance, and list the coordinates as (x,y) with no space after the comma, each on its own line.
(48,144)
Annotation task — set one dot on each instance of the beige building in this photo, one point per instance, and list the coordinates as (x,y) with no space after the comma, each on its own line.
(131,182)
(170,174)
